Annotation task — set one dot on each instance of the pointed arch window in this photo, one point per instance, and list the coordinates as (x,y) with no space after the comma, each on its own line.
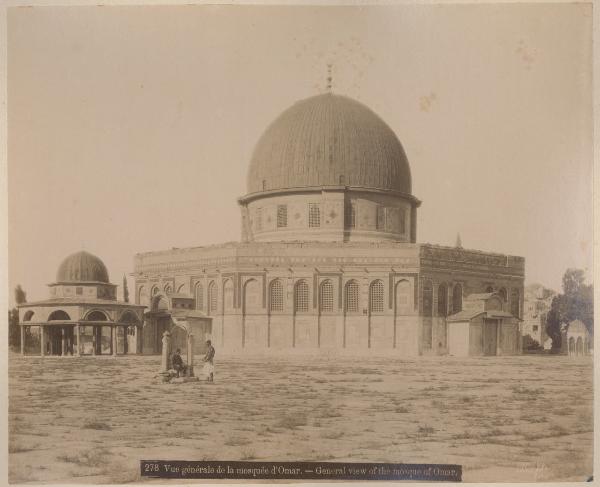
(326,296)
(276,296)
(376,297)
(351,297)
(301,296)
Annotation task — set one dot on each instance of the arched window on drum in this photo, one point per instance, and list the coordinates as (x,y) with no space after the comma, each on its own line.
(326,296)
(376,296)
(351,297)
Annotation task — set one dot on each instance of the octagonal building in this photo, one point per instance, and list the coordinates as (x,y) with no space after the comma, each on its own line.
(329,259)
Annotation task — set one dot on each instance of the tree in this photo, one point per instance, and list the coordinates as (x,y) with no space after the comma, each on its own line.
(14,332)
(125,290)
(575,303)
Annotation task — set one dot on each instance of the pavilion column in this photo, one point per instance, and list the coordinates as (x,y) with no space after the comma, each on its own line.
(139,340)
(42,340)
(22,339)
(113,340)
(63,342)
(78,335)
(190,355)
(166,351)
(94,340)
(498,337)
(125,339)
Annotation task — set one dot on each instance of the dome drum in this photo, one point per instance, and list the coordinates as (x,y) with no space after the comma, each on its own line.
(329,169)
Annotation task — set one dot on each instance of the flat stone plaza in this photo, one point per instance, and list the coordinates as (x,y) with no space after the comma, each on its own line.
(92,419)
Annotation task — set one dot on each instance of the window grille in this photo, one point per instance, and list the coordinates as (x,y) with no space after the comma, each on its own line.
(199,296)
(276,296)
(376,297)
(301,296)
(314,215)
(281,216)
(352,297)
(350,216)
(326,296)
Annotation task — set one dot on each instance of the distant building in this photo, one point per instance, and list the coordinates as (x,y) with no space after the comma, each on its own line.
(329,257)
(576,339)
(82,315)
(538,301)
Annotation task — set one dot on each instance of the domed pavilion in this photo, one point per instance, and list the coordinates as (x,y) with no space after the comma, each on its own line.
(82,315)
(328,257)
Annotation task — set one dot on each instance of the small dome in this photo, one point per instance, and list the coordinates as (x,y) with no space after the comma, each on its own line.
(329,140)
(82,267)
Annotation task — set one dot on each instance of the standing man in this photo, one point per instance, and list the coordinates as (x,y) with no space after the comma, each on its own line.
(209,365)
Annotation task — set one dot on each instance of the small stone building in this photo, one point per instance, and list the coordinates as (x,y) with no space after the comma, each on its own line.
(82,315)
(576,339)
(483,328)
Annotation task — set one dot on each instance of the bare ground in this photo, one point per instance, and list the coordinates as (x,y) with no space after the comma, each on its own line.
(90,420)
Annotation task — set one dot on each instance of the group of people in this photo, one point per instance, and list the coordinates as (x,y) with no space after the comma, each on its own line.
(209,364)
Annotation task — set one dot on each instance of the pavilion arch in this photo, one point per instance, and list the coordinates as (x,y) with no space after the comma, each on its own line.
(503,294)
(376,298)
(59,315)
(579,346)
(28,315)
(160,303)
(352,297)
(180,288)
(276,295)
(168,288)
(154,291)
(301,292)
(96,315)
(129,317)
(457,298)
(326,296)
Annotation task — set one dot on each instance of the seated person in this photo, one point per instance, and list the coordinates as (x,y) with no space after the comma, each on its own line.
(178,364)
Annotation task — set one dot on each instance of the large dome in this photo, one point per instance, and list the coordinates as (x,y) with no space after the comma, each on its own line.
(82,267)
(329,140)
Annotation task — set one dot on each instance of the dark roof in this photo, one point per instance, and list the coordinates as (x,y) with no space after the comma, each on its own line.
(80,300)
(329,140)
(82,266)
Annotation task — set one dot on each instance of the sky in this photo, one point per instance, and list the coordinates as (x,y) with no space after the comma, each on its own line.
(130,129)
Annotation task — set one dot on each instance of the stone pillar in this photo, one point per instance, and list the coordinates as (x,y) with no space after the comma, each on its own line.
(22,339)
(63,348)
(139,340)
(94,340)
(190,355)
(113,340)
(498,337)
(166,351)
(42,340)
(78,335)
(125,339)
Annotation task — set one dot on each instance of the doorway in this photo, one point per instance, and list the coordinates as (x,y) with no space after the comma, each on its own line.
(490,337)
